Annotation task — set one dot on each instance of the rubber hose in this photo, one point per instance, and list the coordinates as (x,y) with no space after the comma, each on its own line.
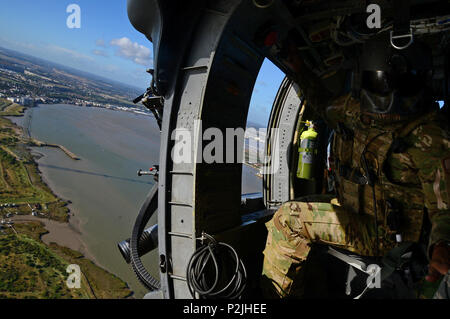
(146,212)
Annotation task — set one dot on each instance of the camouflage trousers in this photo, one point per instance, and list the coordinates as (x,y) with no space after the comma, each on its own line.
(297,225)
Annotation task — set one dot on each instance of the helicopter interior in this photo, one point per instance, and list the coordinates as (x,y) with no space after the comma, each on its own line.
(207,57)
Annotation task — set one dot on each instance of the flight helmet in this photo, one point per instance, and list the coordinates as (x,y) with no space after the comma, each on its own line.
(394,83)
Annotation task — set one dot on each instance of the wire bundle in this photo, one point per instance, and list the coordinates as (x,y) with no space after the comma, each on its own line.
(211,263)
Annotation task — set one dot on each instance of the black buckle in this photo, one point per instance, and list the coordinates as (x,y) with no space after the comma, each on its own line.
(352,175)
(393,217)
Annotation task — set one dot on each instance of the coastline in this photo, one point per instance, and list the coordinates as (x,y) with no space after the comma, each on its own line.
(65,234)
(72,227)
(104,192)
(61,233)
(101,138)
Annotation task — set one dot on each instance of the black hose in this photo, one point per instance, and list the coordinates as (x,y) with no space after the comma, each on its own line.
(148,242)
(146,212)
(208,262)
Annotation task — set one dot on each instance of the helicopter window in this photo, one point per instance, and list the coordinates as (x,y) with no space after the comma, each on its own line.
(263,96)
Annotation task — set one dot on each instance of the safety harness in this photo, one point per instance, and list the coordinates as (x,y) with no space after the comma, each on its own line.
(369,189)
(395,260)
(364,176)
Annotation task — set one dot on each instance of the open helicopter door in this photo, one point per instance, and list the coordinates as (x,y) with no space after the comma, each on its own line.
(279,169)
(207,57)
(207,74)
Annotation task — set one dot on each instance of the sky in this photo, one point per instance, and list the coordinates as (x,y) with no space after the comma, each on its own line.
(264,93)
(106,43)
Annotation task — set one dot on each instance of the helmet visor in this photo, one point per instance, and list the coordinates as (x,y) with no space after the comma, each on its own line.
(383,83)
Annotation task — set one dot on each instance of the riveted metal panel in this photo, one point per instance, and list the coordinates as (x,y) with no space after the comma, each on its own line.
(283,119)
(182,220)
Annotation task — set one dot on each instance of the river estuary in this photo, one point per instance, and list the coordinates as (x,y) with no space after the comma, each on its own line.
(103,186)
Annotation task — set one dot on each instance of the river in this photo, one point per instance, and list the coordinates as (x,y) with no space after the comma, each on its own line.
(103,186)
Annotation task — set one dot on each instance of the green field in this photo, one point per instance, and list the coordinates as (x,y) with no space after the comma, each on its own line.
(8,108)
(20,181)
(30,269)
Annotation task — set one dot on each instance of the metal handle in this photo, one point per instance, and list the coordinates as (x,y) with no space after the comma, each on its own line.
(410,36)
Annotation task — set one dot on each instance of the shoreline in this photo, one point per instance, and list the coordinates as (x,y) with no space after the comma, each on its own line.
(115,109)
(73,223)
(67,234)
(63,234)
(103,187)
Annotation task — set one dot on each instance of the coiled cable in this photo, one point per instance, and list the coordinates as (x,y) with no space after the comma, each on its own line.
(209,268)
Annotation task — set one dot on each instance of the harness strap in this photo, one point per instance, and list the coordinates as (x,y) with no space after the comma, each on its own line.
(354,263)
(402,25)
(402,22)
(391,262)
(397,146)
(394,258)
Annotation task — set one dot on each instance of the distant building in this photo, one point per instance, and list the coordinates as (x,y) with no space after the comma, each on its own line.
(26,101)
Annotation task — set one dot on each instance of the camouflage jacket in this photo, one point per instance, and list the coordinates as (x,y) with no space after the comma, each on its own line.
(417,175)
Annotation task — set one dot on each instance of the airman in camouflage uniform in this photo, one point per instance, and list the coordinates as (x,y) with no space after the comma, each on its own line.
(408,159)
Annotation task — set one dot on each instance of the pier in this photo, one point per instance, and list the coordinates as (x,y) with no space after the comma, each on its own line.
(62,148)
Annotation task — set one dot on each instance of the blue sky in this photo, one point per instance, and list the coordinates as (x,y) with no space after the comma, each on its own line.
(105,45)
(39,28)
(266,88)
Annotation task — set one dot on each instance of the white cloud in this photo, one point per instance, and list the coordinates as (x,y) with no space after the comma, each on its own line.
(100,53)
(69,53)
(133,51)
(17,45)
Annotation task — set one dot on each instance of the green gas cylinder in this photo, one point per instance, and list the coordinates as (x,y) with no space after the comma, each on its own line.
(307,152)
